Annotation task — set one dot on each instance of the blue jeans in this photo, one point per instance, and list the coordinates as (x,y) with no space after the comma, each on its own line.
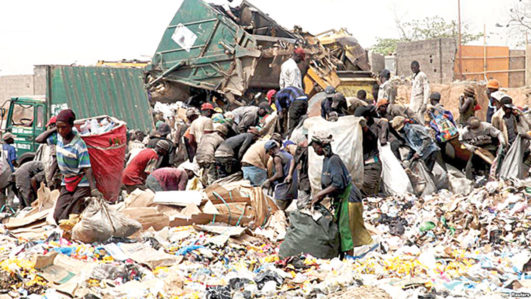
(255,175)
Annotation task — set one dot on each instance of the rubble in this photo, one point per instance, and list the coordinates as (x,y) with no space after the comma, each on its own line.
(437,246)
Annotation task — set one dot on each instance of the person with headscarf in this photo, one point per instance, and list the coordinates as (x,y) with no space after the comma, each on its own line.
(336,183)
(143,164)
(74,163)
(467,105)
(374,130)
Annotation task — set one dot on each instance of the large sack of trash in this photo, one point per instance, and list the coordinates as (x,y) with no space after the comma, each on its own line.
(313,233)
(347,144)
(512,166)
(394,177)
(106,142)
(99,222)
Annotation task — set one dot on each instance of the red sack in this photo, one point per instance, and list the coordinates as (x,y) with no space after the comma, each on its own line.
(107,157)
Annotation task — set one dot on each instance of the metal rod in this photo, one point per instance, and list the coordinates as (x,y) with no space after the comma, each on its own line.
(493,57)
(193,23)
(485,52)
(500,71)
(459,38)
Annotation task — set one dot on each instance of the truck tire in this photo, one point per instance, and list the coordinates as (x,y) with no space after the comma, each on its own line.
(26,157)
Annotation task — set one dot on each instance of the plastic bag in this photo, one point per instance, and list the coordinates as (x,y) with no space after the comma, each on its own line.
(99,222)
(458,182)
(5,170)
(347,144)
(320,237)
(421,179)
(512,165)
(440,177)
(394,177)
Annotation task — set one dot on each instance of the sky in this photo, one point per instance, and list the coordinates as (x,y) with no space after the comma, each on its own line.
(83,32)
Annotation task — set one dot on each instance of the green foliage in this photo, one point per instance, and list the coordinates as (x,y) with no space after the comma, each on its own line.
(422,29)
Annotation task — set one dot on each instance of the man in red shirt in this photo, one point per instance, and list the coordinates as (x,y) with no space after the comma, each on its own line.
(143,163)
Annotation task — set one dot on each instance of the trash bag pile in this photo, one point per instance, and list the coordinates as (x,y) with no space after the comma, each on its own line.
(437,246)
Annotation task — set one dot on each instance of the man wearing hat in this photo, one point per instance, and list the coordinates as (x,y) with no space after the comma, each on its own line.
(9,151)
(326,103)
(492,86)
(162,133)
(467,105)
(135,174)
(477,134)
(198,128)
(205,152)
(390,111)
(420,142)
(386,89)
(230,152)
(290,74)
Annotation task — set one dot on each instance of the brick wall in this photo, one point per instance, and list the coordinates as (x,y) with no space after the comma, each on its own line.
(436,58)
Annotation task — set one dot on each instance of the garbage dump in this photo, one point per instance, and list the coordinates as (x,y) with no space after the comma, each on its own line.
(276,166)
(441,245)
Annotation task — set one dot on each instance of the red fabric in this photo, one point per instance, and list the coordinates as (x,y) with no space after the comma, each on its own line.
(72,182)
(135,172)
(301,53)
(107,157)
(52,121)
(207,106)
(477,107)
(171,179)
(270,94)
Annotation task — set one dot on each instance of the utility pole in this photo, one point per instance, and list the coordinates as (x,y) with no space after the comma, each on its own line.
(459,39)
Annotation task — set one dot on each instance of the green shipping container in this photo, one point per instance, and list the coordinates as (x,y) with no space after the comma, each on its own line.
(93,91)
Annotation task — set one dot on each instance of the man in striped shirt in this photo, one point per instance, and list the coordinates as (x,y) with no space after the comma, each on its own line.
(74,163)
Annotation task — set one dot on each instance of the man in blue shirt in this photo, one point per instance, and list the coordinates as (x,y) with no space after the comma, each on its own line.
(291,103)
(9,150)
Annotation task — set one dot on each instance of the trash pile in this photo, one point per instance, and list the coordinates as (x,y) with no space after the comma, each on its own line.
(95,126)
(223,243)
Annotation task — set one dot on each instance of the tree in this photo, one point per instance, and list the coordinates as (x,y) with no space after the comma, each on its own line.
(519,22)
(422,29)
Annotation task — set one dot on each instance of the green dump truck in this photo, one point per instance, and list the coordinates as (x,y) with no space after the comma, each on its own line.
(89,91)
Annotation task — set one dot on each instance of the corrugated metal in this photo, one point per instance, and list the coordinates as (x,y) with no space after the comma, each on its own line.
(93,91)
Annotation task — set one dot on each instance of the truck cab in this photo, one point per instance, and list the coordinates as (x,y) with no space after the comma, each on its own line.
(26,118)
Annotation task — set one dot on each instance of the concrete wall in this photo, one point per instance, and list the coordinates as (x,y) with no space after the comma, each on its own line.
(436,58)
(377,62)
(15,85)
